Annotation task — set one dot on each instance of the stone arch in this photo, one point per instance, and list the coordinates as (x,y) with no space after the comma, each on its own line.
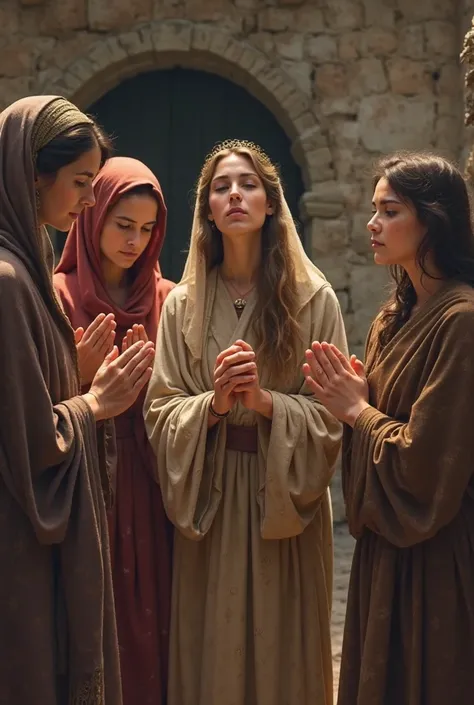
(165,44)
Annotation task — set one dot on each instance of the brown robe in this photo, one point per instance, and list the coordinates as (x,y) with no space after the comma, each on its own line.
(57,622)
(409,489)
(252,578)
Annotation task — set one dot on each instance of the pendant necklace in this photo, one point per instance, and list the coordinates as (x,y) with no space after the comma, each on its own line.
(241,301)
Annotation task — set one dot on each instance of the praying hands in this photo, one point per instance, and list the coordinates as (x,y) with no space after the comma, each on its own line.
(338,383)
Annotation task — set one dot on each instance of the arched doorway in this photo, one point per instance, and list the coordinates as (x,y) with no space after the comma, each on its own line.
(170,119)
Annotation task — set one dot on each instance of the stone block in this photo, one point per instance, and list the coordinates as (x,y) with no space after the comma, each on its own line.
(9,20)
(329,237)
(300,72)
(289,45)
(105,15)
(308,20)
(321,161)
(65,51)
(210,10)
(101,54)
(379,13)
(64,16)
(263,41)
(15,61)
(172,36)
(331,81)
(348,106)
(425,10)
(377,41)
(449,135)
(275,19)
(344,14)
(201,37)
(350,46)
(12,89)
(367,76)
(450,81)
(407,77)
(345,133)
(83,69)
(411,42)
(134,43)
(389,122)
(442,39)
(322,49)
(360,236)
(335,269)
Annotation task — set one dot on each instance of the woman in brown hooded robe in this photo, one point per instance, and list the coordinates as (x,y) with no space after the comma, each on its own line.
(408,473)
(57,622)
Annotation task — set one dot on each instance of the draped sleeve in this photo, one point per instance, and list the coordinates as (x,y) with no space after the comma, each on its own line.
(406,480)
(301,443)
(43,441)
(189,457)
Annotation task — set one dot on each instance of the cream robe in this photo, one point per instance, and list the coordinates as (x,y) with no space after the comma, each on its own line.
(253,550)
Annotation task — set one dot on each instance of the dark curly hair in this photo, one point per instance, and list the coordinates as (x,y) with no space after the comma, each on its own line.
(437,191)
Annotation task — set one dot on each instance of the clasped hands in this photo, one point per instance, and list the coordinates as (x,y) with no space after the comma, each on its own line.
(236,379)
(338,383)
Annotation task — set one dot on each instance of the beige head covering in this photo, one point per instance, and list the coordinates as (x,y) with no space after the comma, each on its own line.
(26,127)
(308,277)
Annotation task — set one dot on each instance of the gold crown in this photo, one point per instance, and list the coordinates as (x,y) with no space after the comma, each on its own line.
(236,144)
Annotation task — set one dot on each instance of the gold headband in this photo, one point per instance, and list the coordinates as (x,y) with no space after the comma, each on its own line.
(57,117)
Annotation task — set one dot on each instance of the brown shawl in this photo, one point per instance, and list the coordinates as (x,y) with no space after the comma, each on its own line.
(57,606)
(408,478)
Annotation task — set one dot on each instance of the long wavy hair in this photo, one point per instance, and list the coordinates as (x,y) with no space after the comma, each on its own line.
(275,325)
(437,191)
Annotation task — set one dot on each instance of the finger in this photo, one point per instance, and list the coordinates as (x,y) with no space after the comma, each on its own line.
(244,387)
(244,345)
(130,340)
(136,333)
(322,359)
(78,333)
(142,333)
(315,368)
(108,343)
(141,366)
(338,359)
(143,380)
(358,366)
(130,353)
(101,335)
(312,384)
(113,355)
(92,328)
(238,358)
(225,353)
(235,370)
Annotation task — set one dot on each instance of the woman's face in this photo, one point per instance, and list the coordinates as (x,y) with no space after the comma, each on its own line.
(238,203)
(128,228)
(64,196)
(395,230)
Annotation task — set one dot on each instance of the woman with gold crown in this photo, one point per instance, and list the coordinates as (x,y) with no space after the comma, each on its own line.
(57,621)
(244,452)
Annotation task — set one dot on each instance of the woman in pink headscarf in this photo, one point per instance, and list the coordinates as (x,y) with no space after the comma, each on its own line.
(110,267)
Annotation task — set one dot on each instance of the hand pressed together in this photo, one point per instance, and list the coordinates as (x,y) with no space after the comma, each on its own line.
(338,383)
(236,379)
(94,344)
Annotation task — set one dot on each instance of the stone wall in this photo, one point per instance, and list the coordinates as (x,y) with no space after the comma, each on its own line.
(347,79)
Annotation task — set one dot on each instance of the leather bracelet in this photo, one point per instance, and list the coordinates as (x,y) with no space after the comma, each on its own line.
(216,415)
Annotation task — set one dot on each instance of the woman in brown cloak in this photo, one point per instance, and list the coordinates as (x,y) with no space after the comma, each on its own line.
(408,472)
(57,623)
(244,454)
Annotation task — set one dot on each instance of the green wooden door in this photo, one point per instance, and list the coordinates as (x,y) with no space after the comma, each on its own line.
(170,120)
